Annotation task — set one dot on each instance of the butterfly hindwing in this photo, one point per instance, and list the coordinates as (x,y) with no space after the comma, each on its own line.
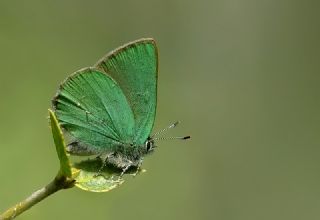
(91,106)
(134,67)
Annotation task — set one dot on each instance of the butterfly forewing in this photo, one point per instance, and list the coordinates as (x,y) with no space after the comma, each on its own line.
(134,68)
(91,106)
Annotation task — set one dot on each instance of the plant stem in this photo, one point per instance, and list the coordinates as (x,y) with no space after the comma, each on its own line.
(60,182)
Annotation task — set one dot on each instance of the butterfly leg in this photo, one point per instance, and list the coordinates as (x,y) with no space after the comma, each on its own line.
(104,159)
(138,167)
(128,165)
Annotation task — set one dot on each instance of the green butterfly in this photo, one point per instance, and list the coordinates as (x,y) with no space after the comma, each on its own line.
(109,109)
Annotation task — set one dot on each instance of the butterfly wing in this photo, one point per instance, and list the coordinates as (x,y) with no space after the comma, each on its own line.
(91,106)
(135,66)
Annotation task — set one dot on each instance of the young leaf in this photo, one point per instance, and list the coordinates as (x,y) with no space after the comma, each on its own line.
(65,166)
(91,179)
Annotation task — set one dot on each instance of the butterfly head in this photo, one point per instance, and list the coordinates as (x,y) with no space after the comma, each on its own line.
(149,145)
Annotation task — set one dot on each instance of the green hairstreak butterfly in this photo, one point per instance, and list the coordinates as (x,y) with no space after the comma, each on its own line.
(109,109)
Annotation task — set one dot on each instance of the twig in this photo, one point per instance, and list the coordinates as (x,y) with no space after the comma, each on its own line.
(60,182)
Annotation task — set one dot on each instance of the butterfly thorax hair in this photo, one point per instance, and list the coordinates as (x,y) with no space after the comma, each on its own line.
(121,155)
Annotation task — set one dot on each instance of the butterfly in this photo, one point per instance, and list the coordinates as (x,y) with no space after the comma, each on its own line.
(109,109)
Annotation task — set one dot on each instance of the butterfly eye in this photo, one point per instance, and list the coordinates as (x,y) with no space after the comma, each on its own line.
(149,145)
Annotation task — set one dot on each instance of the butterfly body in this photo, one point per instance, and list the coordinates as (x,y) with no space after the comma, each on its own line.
(109,109)
(120,155)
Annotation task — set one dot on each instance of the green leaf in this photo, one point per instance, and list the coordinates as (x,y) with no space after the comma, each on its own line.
(65,166)
(90,179)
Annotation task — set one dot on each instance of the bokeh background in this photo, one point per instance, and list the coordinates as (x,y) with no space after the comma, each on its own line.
(242,76)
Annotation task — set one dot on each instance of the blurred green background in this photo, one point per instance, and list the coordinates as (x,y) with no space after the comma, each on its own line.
(242,76)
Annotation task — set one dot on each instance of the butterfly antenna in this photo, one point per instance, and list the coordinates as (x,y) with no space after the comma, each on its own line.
(172,138)
(165,129)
